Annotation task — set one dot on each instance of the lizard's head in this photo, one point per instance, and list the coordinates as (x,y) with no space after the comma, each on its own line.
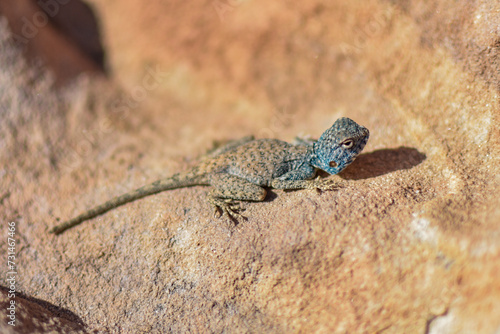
(339,145)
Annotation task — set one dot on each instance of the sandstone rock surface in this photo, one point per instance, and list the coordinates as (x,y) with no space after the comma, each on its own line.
(410,245)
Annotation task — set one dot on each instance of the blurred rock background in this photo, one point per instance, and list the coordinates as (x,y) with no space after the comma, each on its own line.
(101,97)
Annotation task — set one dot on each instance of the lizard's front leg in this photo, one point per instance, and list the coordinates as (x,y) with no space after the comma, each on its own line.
(227,188)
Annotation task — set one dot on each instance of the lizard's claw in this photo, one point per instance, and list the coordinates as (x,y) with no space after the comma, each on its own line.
(228,207)
(324,184)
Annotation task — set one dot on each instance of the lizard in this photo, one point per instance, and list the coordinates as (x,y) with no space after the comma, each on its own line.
(242,170)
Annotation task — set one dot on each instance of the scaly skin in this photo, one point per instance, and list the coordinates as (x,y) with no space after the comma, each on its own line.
(240,170)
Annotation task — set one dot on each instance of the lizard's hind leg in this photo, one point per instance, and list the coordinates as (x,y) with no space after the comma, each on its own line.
(228,188)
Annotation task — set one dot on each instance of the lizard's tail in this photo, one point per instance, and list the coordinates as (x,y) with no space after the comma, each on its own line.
(180,180)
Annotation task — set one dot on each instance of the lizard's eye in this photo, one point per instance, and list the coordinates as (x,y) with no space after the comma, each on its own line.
(347,143)
(333,164)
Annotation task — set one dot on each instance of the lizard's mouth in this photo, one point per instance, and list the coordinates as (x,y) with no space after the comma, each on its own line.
(333,164)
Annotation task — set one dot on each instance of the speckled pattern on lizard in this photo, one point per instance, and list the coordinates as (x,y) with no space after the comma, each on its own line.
(242,170)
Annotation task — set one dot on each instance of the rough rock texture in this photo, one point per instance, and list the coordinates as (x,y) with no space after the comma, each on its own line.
(410,245)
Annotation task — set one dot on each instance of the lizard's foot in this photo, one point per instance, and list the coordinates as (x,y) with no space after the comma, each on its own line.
(228,207)
(324,184)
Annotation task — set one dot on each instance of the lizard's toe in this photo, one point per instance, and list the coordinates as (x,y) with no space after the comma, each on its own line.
(228,208)
(324,185)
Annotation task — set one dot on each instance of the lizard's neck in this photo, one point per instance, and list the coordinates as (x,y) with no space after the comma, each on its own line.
(312,156)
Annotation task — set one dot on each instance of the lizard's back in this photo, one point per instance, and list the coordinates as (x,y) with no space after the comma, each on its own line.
(258,161)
